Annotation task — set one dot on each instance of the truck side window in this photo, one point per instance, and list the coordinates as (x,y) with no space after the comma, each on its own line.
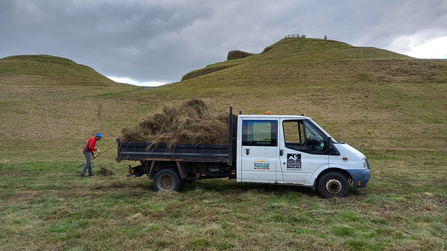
(313,139)
(293,133)
(259,133)
(301,136)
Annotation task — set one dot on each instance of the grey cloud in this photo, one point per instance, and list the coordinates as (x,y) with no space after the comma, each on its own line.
(163,40)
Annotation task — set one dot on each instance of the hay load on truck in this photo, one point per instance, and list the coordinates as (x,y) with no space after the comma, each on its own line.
(273,149)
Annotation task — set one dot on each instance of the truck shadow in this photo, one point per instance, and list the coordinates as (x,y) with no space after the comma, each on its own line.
(231,187)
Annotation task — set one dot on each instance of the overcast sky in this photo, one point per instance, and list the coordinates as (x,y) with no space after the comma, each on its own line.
(148,42)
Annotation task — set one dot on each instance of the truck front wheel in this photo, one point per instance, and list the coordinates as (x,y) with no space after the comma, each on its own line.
(167,180)
(333,184)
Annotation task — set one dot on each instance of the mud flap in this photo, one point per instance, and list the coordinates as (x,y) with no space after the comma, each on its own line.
(138,171)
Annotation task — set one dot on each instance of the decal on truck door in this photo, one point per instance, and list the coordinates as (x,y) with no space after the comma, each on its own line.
(294,162)
(261,165)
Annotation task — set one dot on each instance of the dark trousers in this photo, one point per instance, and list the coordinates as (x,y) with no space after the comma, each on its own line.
(88,164)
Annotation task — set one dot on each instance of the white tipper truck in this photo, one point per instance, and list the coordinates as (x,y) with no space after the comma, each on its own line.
(272,149)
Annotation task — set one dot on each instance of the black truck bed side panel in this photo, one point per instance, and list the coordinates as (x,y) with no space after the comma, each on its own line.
(139,151)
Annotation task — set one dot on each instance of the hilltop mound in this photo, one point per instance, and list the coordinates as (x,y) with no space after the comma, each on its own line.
(207,70)
(41,58)
(308,49)
(237,54)
(59,70)
(289,51)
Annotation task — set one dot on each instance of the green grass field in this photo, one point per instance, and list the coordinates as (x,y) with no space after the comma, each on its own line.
(389,106)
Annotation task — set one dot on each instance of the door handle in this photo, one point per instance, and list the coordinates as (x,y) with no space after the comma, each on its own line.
(247,151)
(281,152)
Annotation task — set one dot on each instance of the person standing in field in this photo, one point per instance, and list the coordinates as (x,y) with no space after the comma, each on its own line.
(89,148)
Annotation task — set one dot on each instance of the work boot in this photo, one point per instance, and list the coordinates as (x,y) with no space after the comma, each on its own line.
(82,175)
(90,174)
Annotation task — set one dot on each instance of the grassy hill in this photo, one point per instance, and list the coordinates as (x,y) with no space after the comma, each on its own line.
(54,68)
(369,97)
(390,106)
(50,104)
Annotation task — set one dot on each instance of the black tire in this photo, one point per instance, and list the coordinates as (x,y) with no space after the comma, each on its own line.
(333,184)
(167,180)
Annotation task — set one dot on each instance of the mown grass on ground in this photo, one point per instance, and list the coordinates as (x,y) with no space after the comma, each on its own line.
(47,206)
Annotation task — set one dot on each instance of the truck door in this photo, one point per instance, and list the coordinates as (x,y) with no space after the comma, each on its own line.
(301,151)
(259,156)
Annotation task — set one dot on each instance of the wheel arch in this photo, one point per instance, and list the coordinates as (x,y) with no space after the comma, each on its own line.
(157,166)
(327,170)
(173,182)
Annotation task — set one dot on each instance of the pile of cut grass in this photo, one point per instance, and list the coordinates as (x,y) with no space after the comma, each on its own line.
(104,171)
(191,122)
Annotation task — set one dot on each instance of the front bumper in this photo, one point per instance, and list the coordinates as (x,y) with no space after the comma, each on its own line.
(360,178)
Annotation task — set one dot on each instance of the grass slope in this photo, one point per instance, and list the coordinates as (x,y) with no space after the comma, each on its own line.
(60,70)
(49,104)
(389,106)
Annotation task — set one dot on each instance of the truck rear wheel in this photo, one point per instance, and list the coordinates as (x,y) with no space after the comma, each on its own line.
(167,180)
(333,184)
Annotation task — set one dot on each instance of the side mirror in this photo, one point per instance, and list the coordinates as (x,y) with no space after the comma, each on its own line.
(327,143)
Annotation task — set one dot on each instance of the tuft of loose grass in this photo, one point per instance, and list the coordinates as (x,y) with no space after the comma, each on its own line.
(104,171)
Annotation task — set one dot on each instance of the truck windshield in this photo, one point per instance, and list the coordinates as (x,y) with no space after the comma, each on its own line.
(310,121)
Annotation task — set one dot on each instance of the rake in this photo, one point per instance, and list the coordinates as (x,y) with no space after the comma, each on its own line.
(94,157)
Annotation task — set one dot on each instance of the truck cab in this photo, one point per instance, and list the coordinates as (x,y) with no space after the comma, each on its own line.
(294,150)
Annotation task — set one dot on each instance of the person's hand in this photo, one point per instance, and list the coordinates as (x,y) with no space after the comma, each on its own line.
(98,150)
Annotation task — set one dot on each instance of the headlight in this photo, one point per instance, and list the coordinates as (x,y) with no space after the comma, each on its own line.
(365,163)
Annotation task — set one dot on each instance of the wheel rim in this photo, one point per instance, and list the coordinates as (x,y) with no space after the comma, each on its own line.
(334,186)
(166,183)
